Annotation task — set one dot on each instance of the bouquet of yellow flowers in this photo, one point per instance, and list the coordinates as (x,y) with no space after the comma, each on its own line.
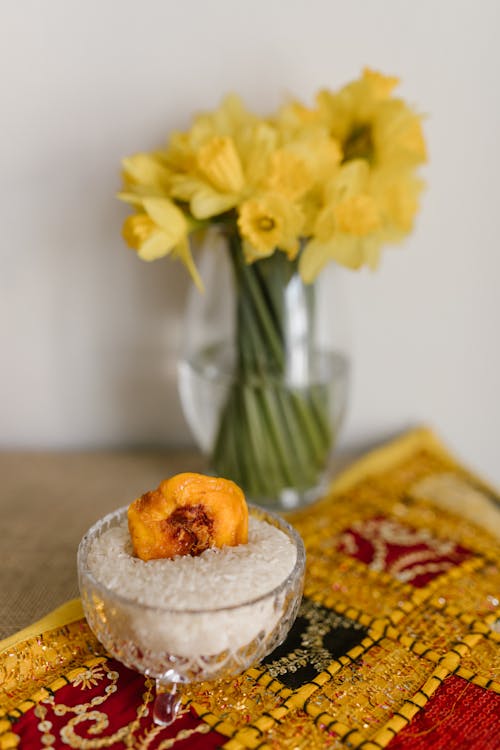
(335,182)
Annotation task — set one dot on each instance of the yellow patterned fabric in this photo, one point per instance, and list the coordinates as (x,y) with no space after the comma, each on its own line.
(397,642)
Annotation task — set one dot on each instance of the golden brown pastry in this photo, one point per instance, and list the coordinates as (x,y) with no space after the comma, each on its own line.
(186,515)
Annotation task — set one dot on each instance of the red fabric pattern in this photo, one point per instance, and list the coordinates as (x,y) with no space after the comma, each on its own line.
(410,555)
(119,708)
(459,716)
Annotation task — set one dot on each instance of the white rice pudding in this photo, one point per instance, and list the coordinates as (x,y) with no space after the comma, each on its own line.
(218,578)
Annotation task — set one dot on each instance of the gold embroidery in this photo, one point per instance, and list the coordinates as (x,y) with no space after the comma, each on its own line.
(364,693)
(397,568)
(484,659)
(298,732)
(380,533)
(312,650)
(89,677)
(37,661)
(435,629)
(144,742)
(235,703)
(100,722)
(60,709)
(352,585)
(430,567)
(82,712)
(183,734)
(476,591)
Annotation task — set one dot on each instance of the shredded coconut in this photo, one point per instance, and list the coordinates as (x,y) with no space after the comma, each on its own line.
(218,578)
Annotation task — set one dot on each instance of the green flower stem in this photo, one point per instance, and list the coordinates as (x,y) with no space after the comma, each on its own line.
(283,447)
(255,353)
(272,435)
(299,453)
(274,407)
(271,336)
(319,402)
(309,426)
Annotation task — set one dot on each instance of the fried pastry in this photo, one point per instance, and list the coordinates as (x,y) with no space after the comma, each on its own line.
(186,515)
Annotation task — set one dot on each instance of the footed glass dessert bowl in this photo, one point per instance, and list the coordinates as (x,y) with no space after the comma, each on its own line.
(172,641)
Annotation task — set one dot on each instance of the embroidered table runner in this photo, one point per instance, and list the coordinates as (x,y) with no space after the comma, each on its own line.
(397,642)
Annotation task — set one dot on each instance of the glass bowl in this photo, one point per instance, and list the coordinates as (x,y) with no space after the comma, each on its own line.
(164,643)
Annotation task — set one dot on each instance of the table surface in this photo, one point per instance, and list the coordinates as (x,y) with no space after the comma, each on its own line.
(47,502)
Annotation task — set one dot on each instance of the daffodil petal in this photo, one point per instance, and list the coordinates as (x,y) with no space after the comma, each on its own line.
(313,259)
(350,179)
(145,169)
(256,146)
(219,162)
(207,202)
(156,246)
(347,251)
(357,215)
(136,195)
(382,85)
(132,198)
(185,186)
(167,216)
(183,252)
(251,254)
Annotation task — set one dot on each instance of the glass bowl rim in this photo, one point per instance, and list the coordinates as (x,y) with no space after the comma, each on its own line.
(281,523)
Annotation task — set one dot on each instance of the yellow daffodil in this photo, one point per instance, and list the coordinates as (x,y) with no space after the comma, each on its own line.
(373,197)
(322,157)
(294,120)
(256,145)
(357,215)
(144,175)
(398,201)
(158,231)
(337,179)
(288,175)
(346,228)
(307,141)
(349,251)
(381,85)
(214,162)
(304,133)
(217,183)
(146,169)
(228,119)
(219,162)
(267,222)
(372,126)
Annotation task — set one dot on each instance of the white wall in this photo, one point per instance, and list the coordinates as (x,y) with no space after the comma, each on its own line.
(90,335)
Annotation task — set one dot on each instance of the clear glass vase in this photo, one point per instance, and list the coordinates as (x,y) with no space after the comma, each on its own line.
(262,385)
